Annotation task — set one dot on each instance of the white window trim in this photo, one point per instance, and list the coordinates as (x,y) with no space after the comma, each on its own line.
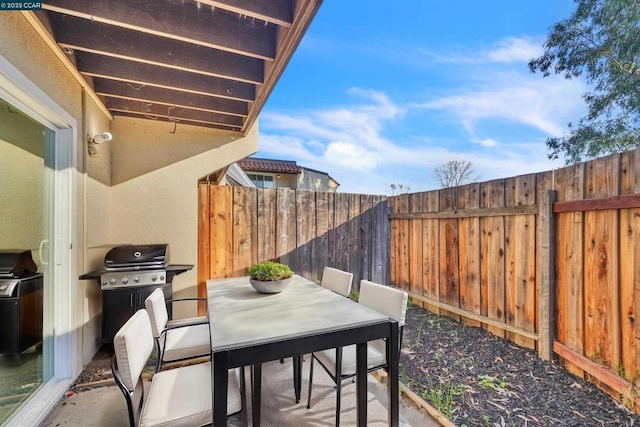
(22,93)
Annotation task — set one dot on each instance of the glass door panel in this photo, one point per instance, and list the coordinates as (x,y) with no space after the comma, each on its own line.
(26,327)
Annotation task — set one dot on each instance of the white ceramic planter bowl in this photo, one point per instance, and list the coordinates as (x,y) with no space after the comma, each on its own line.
(269,287)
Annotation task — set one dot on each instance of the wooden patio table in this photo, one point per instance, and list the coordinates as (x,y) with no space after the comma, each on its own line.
(249,328)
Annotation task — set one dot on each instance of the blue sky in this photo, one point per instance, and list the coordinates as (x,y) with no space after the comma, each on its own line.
(383,92)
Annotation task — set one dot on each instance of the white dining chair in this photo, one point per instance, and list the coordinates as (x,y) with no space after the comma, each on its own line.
(180,339)
(337,281)
(176,397)
(340,363)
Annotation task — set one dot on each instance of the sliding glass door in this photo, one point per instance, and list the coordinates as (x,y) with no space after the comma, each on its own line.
(27,170)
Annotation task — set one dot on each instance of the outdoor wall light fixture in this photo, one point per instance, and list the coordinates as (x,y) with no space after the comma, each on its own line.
(98,139)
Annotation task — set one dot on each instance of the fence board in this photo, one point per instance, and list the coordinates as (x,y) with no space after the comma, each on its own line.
(430,256)
(381,241)
(602,340)
(266,224)
(221,232)
(286,226)
(630,268)
(331,234)
(306,232)
(493,265)
(393,242)
(355,249)
(569,182)
(341,228)
(415,245)
(448,239)
(322,234)
(403,242)
(521,255)
(469,252)
(244,229)
(366,214)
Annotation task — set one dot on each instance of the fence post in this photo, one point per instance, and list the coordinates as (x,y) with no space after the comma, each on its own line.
(547,280)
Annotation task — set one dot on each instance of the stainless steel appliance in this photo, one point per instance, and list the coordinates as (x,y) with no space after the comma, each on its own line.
(135,265)
(20,302)
(129,274)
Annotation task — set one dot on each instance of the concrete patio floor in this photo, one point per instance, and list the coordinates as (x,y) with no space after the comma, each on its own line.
(105,406)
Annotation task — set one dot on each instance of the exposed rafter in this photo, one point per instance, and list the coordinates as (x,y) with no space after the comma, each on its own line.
(209,63)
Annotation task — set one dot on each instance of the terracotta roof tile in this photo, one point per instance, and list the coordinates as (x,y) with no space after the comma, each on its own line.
(253,164)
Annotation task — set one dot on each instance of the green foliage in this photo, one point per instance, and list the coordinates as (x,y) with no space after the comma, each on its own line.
(354,295)
(442,396)
(600,41)
(269,271)
(488,381)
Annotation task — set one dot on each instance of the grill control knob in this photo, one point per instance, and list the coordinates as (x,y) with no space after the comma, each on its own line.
(161,277)
(154,277)
(112,281)
(4,287)
(125,280)
(136,278)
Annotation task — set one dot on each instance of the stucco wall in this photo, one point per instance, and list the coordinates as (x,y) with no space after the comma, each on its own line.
(154,197)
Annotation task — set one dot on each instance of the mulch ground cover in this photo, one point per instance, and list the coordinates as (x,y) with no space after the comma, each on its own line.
(478,379)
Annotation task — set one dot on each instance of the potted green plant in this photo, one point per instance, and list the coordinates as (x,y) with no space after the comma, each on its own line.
(269,277)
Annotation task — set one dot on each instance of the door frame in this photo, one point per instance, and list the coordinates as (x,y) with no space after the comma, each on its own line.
(22,93)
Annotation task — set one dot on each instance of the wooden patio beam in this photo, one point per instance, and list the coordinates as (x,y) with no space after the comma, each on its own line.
(80,34)
(279,12)
(181,122)
(144,74)
(175,113)
(115,89)
(186,21)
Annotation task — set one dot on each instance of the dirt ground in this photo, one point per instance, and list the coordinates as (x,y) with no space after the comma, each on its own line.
(478,379)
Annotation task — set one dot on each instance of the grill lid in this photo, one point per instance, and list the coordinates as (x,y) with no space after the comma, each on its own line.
(16,264)
(137,257)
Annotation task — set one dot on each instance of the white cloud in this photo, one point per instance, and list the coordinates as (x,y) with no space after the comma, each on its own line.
(544,104)
(505,113)
(488,142)
(515,50)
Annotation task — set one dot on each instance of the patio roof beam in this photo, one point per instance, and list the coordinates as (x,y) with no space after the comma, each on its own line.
(115,89)
(181,121)
(145,74)
(279,12)
(175,113)
(80,34)
(214,28)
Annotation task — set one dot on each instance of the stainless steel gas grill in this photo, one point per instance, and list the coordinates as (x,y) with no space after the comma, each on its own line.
(20,302)
(129,275)
(135,265)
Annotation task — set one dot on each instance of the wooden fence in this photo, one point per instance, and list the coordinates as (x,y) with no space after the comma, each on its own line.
(549,260)
(307,230)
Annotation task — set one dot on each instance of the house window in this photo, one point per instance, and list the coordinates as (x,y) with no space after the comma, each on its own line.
(262,181)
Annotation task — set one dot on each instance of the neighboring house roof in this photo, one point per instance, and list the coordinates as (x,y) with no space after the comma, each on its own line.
(254,164)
